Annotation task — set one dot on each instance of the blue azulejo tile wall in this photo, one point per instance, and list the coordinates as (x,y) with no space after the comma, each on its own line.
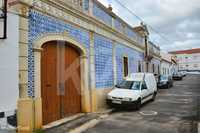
(133,59)
(118,25)
(40,24)
(100,14)
(103,61)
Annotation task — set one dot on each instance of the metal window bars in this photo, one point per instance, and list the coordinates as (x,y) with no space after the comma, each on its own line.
(3,19)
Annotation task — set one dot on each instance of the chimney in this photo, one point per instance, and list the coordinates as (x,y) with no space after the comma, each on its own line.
(110,7)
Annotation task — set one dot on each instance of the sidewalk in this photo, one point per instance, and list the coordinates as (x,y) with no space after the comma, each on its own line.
(79,124)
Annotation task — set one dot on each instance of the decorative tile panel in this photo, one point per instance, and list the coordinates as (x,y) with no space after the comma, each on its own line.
(133,35)
(103,62)
(118,25)
(133,58)
(86,5)
(40,24)
(101,14)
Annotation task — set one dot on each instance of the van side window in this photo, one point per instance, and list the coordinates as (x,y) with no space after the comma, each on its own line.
(144,86)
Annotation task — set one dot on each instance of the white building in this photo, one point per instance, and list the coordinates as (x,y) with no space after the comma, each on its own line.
(188,60)
(9,76)
(167,66)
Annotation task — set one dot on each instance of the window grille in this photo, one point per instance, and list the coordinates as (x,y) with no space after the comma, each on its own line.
(3,19)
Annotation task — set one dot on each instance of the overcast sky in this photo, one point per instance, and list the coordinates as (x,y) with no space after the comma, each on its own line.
(177,20)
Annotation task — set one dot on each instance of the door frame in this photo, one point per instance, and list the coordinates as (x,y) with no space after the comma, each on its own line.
(37,49)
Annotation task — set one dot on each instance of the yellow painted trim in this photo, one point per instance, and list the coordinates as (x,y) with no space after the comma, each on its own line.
(25,115)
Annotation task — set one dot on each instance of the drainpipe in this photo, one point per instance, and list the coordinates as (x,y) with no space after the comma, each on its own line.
(146,53)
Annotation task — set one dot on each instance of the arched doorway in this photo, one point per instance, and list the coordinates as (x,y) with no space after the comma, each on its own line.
(60,81)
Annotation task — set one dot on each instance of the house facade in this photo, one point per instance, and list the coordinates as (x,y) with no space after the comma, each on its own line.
(9,74)
(71,54)
(188,60)
(167,65)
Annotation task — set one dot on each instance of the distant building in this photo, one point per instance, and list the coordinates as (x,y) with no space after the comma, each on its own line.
(168,64)
(188,60)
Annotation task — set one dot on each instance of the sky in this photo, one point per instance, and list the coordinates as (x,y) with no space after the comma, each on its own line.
(177,21)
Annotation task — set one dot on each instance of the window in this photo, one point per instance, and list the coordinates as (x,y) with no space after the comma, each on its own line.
(125,61)
(125,84)
(136,85)
(86,5)
(144,86)
(133,85)
(3,19)
(153,68)
(139,67)
(195,56)
(163,78)
(195,65)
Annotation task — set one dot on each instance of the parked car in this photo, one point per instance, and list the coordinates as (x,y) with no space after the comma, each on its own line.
(177,76)
(183,73)
(134,91)
(165,81)
(193,72)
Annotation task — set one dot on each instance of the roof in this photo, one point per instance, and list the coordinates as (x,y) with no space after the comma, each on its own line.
(189,51)
(166,57)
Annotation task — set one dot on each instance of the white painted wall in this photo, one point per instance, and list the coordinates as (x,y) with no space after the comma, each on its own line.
(9,66)
(166,68)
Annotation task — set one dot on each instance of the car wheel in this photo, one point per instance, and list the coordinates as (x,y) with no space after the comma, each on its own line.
(172,85)
(138,104)
(168,86)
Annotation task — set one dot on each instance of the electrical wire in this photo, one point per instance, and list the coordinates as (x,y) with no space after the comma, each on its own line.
(139,18)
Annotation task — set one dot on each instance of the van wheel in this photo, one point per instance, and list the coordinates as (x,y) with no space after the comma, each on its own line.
(154,96)
(138,104)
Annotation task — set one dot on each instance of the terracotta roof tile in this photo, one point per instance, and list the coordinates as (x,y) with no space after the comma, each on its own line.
(189,51)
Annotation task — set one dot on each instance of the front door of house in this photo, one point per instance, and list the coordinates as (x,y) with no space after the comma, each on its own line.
(60,81)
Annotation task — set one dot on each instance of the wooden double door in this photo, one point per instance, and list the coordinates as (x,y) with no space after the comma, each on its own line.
(60,81)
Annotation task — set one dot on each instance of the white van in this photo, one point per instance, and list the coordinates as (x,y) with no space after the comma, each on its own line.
(135,90)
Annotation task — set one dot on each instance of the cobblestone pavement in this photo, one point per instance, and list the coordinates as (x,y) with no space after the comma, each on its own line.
(175,110)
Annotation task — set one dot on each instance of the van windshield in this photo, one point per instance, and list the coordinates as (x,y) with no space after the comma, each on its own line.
(133,85)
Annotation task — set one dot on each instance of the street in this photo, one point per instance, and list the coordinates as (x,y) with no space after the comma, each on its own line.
(175,110)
